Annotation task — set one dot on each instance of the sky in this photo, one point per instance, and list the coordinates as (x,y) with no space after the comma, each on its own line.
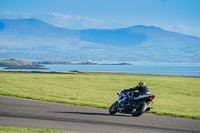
(182,16)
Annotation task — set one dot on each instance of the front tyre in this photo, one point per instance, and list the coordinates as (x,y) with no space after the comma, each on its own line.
(142,108)
(113,108)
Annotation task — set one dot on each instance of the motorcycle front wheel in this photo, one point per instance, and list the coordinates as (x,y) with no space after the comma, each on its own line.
(142,108)
(113,108)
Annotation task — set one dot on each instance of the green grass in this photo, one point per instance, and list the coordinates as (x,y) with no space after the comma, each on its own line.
(28,130)
(175,96)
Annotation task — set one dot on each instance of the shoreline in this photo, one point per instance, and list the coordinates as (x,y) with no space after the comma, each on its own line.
(83,72)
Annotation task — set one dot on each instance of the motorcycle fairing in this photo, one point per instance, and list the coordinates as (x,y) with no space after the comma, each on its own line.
(121,97)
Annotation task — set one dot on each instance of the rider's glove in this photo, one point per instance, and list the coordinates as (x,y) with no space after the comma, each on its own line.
(124,91)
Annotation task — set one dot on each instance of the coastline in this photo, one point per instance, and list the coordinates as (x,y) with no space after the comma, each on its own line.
(177,69)
(82,72)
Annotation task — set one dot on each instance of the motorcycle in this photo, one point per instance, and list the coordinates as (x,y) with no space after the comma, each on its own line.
(135,106)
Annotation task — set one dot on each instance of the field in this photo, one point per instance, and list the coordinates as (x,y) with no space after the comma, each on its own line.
(175,96)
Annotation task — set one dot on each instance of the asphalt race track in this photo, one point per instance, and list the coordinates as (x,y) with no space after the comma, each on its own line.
(35,114)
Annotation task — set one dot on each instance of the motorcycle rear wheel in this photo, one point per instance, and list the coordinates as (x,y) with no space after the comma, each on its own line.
(142,108)
(113,108)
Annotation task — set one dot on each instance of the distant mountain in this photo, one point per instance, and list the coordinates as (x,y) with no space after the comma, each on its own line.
(36,40)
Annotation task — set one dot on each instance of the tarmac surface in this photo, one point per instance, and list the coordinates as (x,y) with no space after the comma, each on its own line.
(35,114)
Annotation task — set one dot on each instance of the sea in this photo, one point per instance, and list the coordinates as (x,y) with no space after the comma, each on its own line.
(139,68)
(180,69)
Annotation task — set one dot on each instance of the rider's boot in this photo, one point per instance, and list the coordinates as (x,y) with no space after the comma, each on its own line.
(149,108)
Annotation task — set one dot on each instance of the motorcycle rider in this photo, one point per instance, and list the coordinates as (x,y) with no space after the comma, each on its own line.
(142,90)
(141,87)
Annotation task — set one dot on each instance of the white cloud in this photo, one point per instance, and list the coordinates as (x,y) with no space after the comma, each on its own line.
(11,15)
(175,28)
(183,29)
(76,22)
(61,16)
(198,30)
(61,20)
(93,23)
(6,13)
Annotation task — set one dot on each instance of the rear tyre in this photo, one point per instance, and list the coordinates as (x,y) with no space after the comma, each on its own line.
(142,108)
(113,108)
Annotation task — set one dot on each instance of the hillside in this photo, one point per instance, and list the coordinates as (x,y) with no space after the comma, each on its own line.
(19,64)
(36,40)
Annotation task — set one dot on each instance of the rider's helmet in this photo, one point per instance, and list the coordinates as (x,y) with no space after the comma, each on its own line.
(141,84)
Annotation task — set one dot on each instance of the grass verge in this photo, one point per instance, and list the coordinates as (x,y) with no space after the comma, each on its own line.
(175,96)
(29,130)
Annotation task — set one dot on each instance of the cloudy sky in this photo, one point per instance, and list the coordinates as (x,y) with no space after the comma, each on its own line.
(181,16)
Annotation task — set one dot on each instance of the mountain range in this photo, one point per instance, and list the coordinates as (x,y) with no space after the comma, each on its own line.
(33,39)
